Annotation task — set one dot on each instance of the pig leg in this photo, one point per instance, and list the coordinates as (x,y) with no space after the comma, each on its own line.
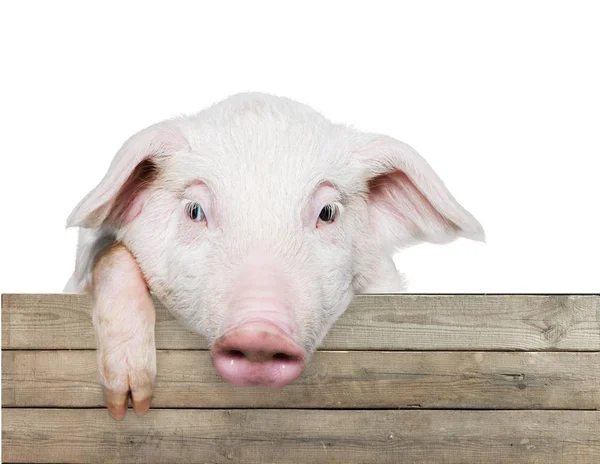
(124,319)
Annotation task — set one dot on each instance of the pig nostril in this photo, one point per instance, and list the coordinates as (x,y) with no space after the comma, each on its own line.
(235,354)
(238,354)
(283,357)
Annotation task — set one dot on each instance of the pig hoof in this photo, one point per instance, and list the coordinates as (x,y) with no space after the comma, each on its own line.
(120,383)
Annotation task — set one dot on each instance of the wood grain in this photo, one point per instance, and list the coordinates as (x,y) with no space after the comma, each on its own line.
(301,436)
(373,322)
(357,379)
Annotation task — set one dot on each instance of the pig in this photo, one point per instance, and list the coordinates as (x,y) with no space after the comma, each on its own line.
(254,222)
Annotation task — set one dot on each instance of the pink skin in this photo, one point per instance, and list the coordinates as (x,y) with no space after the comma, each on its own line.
(258,354)
(258,346)
(124,318)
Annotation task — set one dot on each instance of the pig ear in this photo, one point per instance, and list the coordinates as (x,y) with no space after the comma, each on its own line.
(134,167)
(407,201)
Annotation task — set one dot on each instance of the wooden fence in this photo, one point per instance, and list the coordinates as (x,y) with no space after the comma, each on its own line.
(399,379)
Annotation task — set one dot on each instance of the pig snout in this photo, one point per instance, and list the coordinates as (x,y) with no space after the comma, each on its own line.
(258,354)
(259,341)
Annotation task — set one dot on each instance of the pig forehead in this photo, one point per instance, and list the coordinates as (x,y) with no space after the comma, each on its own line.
(255,179)
(287,160)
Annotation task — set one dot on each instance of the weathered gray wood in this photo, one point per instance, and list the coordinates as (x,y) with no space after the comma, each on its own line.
(357,379)
(302,436)
(373,322)
(560,370)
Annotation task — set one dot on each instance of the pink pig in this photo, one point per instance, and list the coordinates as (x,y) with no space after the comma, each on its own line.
(254,222)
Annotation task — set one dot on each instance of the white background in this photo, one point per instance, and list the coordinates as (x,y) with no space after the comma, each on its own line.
(502,99)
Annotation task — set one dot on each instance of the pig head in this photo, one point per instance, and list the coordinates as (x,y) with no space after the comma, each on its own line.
(254,222)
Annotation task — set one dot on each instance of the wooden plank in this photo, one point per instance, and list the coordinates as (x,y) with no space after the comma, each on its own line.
(302,436)
(374,322)
(357,379)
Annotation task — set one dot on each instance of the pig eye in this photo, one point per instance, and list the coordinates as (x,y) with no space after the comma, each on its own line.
(195,212)
(328,214)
